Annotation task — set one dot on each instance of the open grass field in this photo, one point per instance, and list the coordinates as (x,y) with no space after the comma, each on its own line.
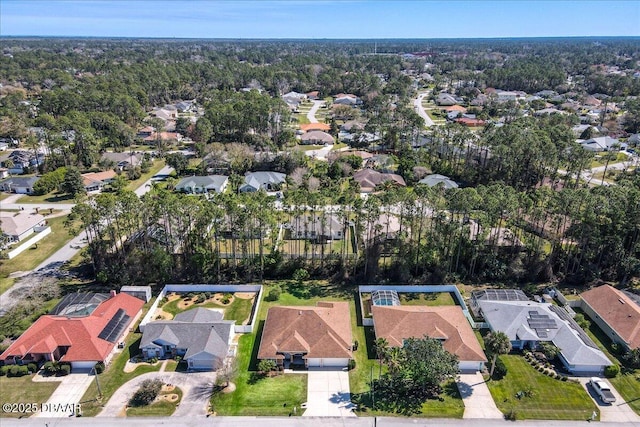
(23,390)
(32,257)
(550,399)
(53,197)
(155,168)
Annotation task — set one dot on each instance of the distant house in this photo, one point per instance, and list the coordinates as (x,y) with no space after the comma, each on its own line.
(528,323)
(186,106)
(369,179)
(347,99)
(335,155)
(602,143)
(82,329)
(470,122)
(122,160)
(95,181)
(308,336)
(307,127)
(203,184)
(504,95)
(313,95)
(316,137)
(199,336)
(22,160)
(435,179)
(17,226)
(293,99)
(268,181)
(447,324)
(446,99)
(19,185)
(352,126)
(319,228)
(615,313)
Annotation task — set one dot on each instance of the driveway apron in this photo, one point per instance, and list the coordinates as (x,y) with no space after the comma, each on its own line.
(328,394)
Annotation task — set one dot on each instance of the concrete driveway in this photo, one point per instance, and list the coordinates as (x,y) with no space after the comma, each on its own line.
(196,390)
(328,394)
(619,411)
(67,396)
(478,402)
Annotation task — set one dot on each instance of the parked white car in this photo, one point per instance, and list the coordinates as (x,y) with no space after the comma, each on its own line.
(602,389)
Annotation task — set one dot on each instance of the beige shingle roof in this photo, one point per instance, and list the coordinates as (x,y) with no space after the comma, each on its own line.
(447,323)
(323,331)
(618,310)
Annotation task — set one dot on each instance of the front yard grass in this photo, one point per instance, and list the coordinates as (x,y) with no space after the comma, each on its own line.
(161,408)
(23,390)
(154,169)
(550,399)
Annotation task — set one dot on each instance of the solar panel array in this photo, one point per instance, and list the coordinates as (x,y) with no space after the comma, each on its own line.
(562,313)
(541,322)
(115,327)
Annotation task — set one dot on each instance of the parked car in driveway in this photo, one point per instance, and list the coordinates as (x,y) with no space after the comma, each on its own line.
(602,389)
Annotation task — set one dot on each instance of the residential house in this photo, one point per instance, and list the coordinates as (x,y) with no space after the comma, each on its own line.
(186,106)
(199,336)
(17,226)
(4,173)
(319,228)
(602,143)
(351,126)
(307,127)
(446,99)
(313,95)
(369,179)
(23,160)
(447,324)
(268,181)
(316,137)
(436,179)
(615,313)
(335,155)
(19,185)
(203,184)
(529,323)
(470,122)
(309,336)
(347,99)
(82,329)
(122,160)
(505,96)
(294,99)
(95,181)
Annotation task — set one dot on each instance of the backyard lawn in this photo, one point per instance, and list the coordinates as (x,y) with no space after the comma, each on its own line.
(239,309)
(550,398)
(23,390)
(32,257)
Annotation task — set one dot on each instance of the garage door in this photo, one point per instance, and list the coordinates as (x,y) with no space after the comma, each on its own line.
(320,363)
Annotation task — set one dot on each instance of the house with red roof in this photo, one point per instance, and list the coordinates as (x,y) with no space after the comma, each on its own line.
(82,329)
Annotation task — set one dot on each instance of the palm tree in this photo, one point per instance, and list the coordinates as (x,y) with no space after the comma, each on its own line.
(496,343)
(381,346)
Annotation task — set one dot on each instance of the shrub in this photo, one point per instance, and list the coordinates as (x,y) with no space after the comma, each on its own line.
(563,378)
(64,370)
(500,370)
(3,370)
(612,371)
(267,365)
(153,360)
(32,367)
(148,391)
(50,367)
(351,365)
(18,371)
(99,367)
(274,294)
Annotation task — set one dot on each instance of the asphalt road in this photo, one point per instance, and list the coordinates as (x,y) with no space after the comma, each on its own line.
(311,115)
(417,103)
(291,421)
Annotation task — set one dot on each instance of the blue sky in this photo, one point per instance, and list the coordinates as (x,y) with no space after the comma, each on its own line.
(319,18)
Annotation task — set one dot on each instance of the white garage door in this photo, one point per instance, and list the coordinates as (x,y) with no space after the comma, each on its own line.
(315,363)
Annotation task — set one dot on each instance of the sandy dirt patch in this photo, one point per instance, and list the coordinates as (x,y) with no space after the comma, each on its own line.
(171,397)
(230,388)
(167,388)
(244,295)
(131,366)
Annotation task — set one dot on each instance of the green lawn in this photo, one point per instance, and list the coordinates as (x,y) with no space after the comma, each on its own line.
(428,299)
(239,310)
(551,399)
(53,197)
(155,168)
(162,408)
(23,390)
(626,382)
(32,257)
(114,376)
